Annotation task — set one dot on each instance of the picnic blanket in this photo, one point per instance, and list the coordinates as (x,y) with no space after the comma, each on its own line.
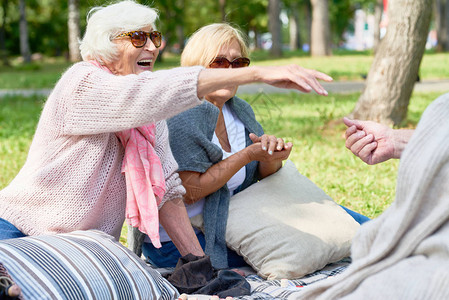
(290,289)
(281,289)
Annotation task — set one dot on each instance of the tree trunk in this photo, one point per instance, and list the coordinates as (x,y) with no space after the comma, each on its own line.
(446,18)
(257,43)
(308,18)
(74,30)
(295,38)
(395,67)
(222,4)
(440,25)
(3,51)
(274,24)
(320,39)
(377,19)
(181,36)
(23,27)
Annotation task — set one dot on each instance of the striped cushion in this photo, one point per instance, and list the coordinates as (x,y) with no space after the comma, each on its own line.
(80,265)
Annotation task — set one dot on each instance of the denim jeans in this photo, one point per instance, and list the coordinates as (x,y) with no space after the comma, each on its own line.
(167,256)
(357,217)
(9,231)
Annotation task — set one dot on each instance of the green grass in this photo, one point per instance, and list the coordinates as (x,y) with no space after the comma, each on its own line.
(343,65)
(311,122)
(18,120)
(314,125)
(45,74)
(351,65)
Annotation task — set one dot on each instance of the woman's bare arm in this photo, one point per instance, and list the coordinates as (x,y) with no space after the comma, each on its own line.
(289,77)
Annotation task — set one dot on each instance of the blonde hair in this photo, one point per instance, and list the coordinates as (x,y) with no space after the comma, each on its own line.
(205,44)
(106,22)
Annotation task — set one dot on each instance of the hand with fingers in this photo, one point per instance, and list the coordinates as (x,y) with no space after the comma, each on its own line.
(269,148)
(296,77)
(373,142)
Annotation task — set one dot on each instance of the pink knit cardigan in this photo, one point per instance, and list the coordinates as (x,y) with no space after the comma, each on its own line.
(72,177)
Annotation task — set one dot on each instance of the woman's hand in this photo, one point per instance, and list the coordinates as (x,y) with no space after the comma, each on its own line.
(374,142)
(295,77)
(368,140)
(199,185)
(256,152)
(270,143)
(287,77)
(270,151)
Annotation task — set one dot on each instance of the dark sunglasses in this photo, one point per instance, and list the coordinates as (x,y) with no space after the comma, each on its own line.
(223,62)
(139,38)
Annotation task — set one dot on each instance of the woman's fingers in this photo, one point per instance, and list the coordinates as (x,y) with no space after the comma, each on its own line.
(366,153)
(270,143)
(254,138)
(360,144)
(310,77)
(280,144)
(296,77)
(322,76)
(349,122)
(264,142)
(353,138)
(350,131)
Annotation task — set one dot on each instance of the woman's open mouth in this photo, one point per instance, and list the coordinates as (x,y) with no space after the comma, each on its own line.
(145,62)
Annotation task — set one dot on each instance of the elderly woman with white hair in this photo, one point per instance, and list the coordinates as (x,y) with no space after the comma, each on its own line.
(100,152)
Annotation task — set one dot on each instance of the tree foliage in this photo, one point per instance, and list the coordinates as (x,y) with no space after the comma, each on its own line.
(48,32)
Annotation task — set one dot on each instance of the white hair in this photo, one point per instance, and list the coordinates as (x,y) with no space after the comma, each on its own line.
(106,22)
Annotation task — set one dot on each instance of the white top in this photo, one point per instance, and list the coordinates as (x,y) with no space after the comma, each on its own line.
(237,140)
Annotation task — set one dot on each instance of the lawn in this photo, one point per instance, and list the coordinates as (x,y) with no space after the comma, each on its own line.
(341,66)
(314,125)
(311,122)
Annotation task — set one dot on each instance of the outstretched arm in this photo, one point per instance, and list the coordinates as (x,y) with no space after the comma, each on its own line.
(288,77)
(374,142)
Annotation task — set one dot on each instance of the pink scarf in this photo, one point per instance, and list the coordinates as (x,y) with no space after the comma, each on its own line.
(145,182)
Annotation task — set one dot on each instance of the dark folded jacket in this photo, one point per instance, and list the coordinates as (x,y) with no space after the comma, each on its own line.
(195,275)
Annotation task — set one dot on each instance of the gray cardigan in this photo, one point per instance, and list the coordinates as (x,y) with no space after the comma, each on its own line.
(191,135)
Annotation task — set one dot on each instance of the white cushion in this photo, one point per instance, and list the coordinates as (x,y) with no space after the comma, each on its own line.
(286,227)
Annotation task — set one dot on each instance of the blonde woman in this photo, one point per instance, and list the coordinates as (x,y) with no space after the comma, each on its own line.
(220,147)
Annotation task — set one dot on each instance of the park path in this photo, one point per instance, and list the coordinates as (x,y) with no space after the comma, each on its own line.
(338,87)
(346,87)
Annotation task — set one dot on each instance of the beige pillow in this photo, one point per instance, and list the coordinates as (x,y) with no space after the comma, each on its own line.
(286,227)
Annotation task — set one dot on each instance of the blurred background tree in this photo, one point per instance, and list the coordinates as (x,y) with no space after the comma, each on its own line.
(52,25)
(73,25)
(396,64)
(320,41)
(51,28)
(442,24)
